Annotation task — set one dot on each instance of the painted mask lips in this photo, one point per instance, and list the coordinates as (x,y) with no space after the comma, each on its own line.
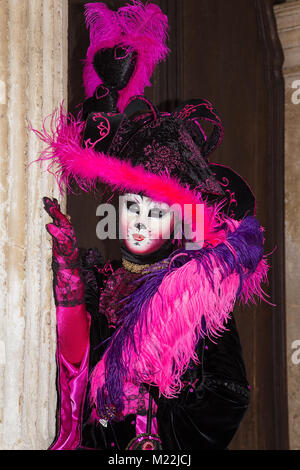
(138,237)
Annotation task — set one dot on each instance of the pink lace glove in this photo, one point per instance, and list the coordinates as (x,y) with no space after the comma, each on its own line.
(68,285)
(73,320)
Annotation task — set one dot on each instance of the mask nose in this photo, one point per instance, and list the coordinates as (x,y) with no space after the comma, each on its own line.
(140,226)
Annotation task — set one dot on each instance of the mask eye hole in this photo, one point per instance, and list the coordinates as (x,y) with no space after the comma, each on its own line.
(133,207)
(156,213)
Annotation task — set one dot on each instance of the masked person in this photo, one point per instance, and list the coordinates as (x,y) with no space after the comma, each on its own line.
(148,352)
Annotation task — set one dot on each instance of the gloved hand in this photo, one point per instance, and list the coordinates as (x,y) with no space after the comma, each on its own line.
(68,285)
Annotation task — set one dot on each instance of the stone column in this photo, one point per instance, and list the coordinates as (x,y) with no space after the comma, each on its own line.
(33,78)
(288,21)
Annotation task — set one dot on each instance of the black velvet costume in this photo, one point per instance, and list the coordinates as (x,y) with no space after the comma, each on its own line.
(209,409)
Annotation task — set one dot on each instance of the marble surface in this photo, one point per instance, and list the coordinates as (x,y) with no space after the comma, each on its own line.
(33,81)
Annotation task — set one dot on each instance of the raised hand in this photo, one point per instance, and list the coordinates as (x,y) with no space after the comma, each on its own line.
(67,278)
(65,249)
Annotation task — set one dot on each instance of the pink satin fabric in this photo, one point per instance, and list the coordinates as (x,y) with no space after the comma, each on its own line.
(72,356)
(141,421)
(73,325)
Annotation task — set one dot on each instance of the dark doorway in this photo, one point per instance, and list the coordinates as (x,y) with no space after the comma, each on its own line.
(229,53)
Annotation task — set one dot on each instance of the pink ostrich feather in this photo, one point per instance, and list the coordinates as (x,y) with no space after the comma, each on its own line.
(166,337)
(140,27)
(175,315)
(252,286)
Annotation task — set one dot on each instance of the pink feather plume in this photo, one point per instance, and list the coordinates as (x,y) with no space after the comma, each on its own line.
(141,27)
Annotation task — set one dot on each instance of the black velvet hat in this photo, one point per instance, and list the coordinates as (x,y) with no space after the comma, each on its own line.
(172,144)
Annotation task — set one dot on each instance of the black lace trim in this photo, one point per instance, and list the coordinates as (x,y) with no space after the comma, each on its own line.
(68,286)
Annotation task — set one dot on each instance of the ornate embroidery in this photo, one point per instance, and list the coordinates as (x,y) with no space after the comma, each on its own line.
(161,156)
(125,129)
(116,288)
(232,202)
(185,113)
(107,268)
(103,127)
(225,182)
(209,185)
(101,92)
(194,153)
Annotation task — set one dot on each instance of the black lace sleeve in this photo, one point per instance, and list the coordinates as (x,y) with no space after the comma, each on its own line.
(92,262)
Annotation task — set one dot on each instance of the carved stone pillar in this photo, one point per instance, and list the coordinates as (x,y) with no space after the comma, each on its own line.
(33,78)
(288,21)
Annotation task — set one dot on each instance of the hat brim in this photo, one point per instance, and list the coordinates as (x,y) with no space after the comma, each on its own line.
(69,161)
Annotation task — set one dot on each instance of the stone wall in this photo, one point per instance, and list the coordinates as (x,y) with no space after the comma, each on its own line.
(33,78)
(288,21)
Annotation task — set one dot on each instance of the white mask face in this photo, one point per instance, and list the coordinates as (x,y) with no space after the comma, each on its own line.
(145,224)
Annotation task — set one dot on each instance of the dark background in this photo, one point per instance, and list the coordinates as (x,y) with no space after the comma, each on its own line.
(228,52)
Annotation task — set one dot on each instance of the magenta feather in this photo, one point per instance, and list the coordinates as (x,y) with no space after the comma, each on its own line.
(165,337)
(141,27)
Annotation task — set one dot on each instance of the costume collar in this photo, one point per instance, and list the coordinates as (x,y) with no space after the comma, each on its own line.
(142,268)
